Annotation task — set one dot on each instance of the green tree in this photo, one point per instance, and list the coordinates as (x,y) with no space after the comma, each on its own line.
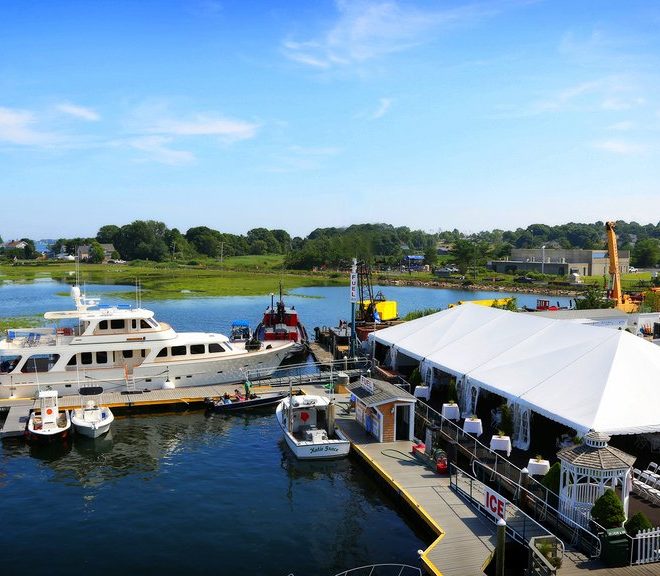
(608,510)
(646,253)
(552,477)
(96,253)
(107,234)
(143,240)
(431,255)
(592,299)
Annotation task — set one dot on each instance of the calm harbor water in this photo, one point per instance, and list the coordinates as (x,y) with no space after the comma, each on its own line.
(197,494)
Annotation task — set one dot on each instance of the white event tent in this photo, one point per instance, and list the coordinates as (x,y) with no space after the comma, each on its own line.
(585,377)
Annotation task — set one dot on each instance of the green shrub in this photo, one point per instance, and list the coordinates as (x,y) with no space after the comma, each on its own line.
(636,523)
(415,377)
(452,392)
(507,419)
(608,510)
(551,478)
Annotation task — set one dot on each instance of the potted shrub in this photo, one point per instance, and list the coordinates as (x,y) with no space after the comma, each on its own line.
(507,419)
(608,510)
(452,392)
(636,523)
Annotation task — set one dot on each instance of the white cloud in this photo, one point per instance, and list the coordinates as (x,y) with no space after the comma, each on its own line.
(155,148)
(617,103)
(17,127)
(302,158)
(78,112)
(205,125)
(621,126)
(620,147)
(383,107)
(366,30)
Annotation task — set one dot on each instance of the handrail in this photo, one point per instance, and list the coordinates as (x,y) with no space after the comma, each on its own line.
(571,524)
(511,508)
(433,417)
(445,422)
(371,570)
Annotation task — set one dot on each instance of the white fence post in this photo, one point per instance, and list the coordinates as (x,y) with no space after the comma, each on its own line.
(647,546)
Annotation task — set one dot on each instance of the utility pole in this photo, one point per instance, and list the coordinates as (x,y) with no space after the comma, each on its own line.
(222,249)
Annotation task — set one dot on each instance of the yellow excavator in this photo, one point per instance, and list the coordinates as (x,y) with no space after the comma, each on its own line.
(621,301)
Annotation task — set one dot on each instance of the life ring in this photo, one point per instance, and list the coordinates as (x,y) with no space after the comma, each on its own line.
(49,411)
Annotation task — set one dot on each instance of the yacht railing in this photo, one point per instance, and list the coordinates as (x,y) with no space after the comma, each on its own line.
(383,570)
(310,372)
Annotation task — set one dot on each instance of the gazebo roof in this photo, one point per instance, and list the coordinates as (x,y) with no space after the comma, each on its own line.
(596,454)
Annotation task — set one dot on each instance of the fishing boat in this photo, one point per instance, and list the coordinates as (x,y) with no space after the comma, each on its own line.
(307,423)
(237,402)
(127,350)
(281,323)
(92,420)
(48,424)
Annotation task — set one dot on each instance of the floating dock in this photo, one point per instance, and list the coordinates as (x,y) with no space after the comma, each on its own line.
(192,396)
(465,538)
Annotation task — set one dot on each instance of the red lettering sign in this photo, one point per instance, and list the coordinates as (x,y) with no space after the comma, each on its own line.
(495,504)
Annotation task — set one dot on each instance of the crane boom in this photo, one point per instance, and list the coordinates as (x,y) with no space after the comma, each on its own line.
(621,301)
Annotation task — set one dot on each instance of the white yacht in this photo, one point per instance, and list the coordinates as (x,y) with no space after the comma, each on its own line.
(122,348)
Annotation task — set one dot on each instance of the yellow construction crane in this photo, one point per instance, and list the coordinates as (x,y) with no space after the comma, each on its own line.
(621,301)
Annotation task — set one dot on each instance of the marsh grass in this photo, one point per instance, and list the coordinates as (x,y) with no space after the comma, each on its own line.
(250,276)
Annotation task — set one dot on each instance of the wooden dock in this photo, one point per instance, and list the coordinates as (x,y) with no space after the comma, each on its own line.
(465,538)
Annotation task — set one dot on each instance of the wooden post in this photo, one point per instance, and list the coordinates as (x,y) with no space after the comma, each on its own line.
(499,550)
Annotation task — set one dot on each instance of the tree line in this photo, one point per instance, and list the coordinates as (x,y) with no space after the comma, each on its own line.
(379,244)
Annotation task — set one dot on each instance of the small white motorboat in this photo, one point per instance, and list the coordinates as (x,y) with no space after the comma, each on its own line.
(308,425)
(48,424)
(92,420)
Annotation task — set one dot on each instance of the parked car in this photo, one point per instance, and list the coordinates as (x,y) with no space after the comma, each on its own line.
(524,280)
(632,269)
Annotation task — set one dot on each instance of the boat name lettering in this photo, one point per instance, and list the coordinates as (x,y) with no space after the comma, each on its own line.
(325,448)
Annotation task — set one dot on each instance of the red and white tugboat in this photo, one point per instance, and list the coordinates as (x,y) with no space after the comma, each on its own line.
(279,323)
(48,424)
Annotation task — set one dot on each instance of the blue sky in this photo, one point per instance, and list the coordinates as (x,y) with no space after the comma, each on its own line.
(297,114)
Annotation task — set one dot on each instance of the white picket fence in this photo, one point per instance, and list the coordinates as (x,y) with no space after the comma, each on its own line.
(646,546)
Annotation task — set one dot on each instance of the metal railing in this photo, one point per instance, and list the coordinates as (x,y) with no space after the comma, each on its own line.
(520,526)
(383,570)
(309,372)
(544,557)
(539,501)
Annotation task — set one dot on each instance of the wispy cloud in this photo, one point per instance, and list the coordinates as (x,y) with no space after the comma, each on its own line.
(383,107)
(618,103)
(155,149)
(205,125)
(366,30)
(621,126)
(620,147)
(19,127)
(80,112)
(302,158)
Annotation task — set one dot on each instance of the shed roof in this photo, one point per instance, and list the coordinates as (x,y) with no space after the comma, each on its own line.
(383,393)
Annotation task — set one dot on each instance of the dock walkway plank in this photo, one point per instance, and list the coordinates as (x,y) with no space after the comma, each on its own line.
(465,540)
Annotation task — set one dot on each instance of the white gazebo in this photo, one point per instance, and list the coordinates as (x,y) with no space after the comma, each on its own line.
(587,470)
